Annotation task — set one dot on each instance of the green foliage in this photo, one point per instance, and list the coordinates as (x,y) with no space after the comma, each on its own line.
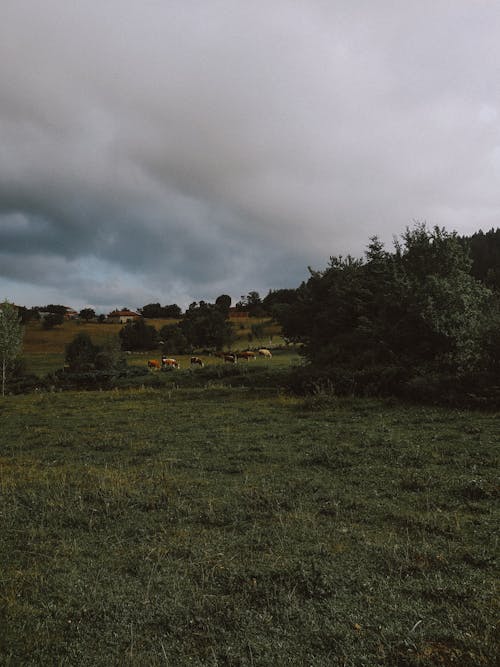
(224,303)
(52,320)
(28,314)
(155,310)
(82,355)
(204,325)
(252,304)
(277,301)
(417,307)
(55,308)
(138,335)
(258,330)
(484,250)
(173,341)
(11,338)
(110,355)
(87,314)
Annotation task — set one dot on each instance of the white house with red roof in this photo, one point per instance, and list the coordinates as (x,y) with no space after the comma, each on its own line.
(122,316)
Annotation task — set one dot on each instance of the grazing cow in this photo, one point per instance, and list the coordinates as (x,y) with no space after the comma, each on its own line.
(248,354)
(230,358)
(154,364)
(265,353)
(196,361)
(170,363)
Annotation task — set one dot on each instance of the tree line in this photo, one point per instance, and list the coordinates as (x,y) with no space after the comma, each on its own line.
(405,319)
(424,314)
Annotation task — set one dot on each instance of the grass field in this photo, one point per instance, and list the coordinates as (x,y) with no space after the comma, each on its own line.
(226,527)
(44,351)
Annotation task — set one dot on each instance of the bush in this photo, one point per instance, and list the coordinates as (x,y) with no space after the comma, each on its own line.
(81,353)
(474,389)
(94,379)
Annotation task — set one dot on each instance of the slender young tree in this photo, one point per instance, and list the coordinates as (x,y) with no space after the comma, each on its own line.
(11,337)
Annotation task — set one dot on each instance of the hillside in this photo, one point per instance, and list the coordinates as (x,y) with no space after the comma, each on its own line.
(43,350)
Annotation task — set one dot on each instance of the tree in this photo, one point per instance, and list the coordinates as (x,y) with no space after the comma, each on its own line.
(205,325)
(445,303)
(173,341)
(81,353)
(55,308)
(278,300)
(138,335)
(417,308)
(151,310)
(110,355)
(484,250)
(252,304)
(11,337)
(52,320)
(223,302)
(28,314)
(173,311)
(87,314)
(154,310)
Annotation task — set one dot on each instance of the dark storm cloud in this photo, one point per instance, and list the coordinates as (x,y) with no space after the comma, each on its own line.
(175,151)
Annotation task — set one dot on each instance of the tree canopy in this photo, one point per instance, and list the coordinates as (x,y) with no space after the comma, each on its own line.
(204,325)
(417,306)
(155,310)
(138,335)
(83,355)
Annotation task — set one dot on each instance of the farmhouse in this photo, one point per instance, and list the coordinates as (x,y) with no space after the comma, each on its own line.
(70,314)
(122,316)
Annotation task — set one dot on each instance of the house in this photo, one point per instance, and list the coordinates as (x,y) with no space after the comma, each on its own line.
(122,316)
(70,313)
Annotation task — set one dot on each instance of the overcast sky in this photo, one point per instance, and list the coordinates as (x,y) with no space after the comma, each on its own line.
(175,150)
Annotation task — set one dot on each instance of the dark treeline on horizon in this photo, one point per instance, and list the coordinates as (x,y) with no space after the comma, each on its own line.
(483,248)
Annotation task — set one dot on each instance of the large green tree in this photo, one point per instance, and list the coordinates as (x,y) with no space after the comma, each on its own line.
(138,335)
(83,355)
(205,325)
(11,338)
(417,307)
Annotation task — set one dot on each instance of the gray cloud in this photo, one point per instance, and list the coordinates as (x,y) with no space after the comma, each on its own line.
(175,151)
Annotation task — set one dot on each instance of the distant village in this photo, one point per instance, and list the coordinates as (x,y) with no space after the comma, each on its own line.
(114,317)
(122,316)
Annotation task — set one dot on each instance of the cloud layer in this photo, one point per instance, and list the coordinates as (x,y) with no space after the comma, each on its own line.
(175,151)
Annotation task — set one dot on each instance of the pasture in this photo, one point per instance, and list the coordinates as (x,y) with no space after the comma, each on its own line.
(223,526)
(43,351)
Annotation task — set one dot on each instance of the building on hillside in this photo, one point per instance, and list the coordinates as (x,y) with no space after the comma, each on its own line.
(122,316)
(70,313)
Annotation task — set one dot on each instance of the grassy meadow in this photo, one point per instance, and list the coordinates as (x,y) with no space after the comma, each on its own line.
(224,526)
(44,351)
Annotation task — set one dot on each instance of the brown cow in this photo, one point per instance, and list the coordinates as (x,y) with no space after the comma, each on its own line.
(248,354)
(154,364)
(170,363)
(196,361)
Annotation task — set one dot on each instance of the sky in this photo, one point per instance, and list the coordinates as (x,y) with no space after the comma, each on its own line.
(174,150)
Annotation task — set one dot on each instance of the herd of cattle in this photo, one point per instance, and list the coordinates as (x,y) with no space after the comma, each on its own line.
(230,358)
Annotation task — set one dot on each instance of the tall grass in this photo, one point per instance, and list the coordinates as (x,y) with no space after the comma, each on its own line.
(216,527)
